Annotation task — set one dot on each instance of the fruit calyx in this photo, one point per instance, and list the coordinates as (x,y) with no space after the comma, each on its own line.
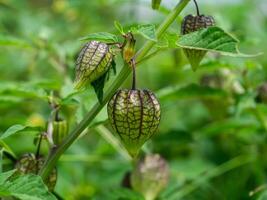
(135,116)
(93,61)
(191,24)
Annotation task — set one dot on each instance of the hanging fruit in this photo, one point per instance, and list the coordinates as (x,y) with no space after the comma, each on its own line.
(191,24)
(150,176)
(134,115)
(31,164)
(93,61)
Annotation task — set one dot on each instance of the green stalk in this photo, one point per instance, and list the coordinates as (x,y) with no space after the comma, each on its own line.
(56,152)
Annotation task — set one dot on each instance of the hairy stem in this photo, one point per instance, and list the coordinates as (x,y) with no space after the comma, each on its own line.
(126,70)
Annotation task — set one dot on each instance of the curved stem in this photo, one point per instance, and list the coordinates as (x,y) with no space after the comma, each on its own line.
(56,152)
(198,13)
(133,64)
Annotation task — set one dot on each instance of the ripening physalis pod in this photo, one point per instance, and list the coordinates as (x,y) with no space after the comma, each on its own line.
(191,24)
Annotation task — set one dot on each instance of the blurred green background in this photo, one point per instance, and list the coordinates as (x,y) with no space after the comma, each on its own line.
(213,131)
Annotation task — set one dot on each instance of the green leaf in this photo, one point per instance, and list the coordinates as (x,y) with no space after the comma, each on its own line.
(168,40)
(12,41)
(148,31)
(68,94)
(212,39)
(4,176)
(24,187)
(102,37)
(263,195)
(113,67)
(6,148)
(231,125)
(15,129)
(22,90)
(119,27)
(98,86)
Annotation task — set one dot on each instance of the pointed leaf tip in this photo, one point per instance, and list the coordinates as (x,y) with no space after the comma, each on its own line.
(212,39)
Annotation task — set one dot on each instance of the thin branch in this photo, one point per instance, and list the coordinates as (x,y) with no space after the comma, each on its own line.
(198,13)
(133,65)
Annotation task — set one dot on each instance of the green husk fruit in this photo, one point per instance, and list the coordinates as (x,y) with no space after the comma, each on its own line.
(191,24)
(135,116)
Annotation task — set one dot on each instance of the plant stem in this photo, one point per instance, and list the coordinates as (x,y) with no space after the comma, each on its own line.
(133,64)
(198,13)
(59,150)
